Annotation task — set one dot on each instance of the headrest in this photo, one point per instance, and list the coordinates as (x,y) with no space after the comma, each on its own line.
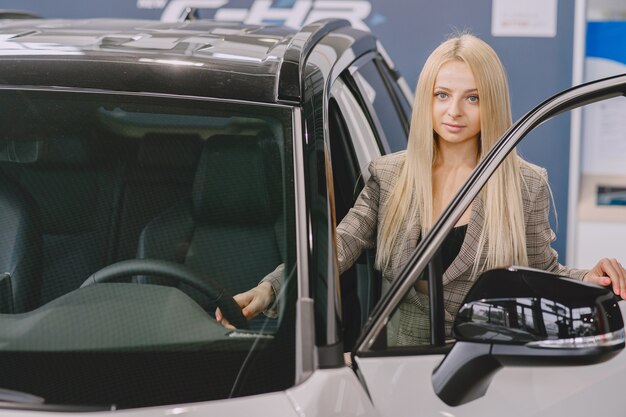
(167,150)
(238,180)
(64,150)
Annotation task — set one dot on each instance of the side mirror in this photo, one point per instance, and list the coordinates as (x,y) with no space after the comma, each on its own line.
(526,317)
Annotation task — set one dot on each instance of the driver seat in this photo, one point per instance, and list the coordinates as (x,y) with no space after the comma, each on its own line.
(231,229)
(21,253)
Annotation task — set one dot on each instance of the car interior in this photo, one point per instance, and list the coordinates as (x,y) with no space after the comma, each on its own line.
(86,184)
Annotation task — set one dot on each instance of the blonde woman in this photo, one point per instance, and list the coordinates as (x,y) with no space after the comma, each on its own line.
(461,108)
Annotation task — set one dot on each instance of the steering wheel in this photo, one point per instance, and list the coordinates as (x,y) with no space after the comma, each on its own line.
(216,293)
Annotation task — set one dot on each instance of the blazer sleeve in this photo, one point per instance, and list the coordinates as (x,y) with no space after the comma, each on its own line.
(274,278)
(356,232)
(539,235)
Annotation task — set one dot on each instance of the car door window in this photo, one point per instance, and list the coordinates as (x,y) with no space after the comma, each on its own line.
(386,108)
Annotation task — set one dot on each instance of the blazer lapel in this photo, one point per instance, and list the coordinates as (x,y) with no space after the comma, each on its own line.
(405,248)
(462,264)
(467,255)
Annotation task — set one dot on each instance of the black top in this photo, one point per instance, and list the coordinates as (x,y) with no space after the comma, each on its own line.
(452,246)
(450,249)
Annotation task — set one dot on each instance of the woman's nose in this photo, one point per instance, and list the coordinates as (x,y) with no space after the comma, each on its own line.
(455,108)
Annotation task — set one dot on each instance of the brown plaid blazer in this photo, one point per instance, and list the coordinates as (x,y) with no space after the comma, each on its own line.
(358,230)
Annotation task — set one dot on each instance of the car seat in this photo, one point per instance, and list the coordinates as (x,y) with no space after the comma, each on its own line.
(20,249)
(231,229)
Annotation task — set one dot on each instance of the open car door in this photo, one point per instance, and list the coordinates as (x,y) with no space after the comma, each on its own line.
(524,342)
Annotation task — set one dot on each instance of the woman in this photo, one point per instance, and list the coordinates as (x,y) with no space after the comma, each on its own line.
(461,108)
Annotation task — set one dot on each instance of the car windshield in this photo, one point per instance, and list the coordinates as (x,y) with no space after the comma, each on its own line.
(126,221)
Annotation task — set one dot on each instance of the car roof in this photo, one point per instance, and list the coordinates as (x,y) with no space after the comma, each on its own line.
(198,57)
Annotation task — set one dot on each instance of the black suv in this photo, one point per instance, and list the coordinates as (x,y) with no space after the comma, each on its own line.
(150,171)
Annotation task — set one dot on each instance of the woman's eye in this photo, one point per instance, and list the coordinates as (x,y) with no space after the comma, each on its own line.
(441,96)
(473,99)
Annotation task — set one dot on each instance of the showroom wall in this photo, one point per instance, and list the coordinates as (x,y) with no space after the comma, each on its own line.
(598,202)
(538,65)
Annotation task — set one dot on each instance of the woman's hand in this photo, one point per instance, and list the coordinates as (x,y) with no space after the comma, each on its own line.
(252,302)
(606,272)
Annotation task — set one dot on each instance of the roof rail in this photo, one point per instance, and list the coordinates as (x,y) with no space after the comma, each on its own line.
(17,14)
(290,75)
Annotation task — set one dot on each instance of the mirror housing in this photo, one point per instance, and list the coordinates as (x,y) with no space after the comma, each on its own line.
(526,317)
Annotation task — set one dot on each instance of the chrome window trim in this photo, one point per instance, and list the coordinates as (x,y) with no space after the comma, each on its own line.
(406,90)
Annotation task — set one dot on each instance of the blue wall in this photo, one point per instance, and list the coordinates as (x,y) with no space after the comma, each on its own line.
(537,67)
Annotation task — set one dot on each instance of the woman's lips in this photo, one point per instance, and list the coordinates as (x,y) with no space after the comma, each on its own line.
(454,128)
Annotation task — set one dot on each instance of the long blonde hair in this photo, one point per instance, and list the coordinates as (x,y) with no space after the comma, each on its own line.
(411,201)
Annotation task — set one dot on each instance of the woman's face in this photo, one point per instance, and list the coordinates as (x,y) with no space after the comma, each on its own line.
(456,108)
